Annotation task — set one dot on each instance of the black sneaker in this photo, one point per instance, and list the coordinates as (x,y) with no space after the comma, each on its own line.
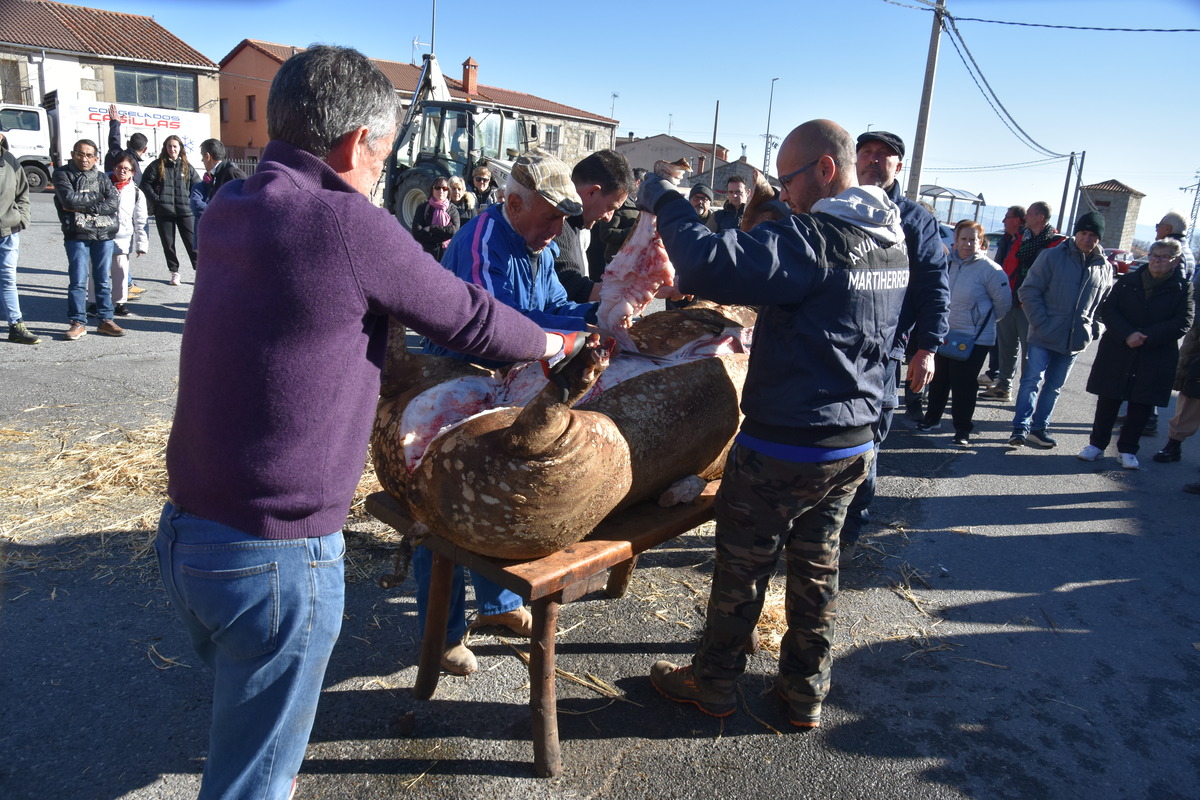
(122,310)
(929,427)
(1041,439)
(679,684)
(91,309)
(962,439)
(1016,440)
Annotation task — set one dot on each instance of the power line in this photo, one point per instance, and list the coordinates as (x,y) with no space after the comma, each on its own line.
(928,6)
(998,167)
(955,35)
(1078,27)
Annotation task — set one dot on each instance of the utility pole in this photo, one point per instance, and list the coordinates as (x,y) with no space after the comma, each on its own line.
(612,109)
(1078,187)
(918,151)
(433,32)
(767,150)
(1194,188)
(1062,208)
(712,170)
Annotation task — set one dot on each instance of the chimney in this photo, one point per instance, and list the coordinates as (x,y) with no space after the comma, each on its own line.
(700,165)
(470,80)
(631,136)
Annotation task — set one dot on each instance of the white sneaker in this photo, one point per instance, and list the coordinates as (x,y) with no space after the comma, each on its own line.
(1090,453)
(174,278)
(1129,461)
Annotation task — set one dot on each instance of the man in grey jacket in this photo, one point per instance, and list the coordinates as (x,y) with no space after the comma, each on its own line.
(1061,297)
(14,217)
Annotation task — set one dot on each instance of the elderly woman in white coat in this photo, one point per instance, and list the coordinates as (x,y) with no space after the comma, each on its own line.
(133,233)
(979,295)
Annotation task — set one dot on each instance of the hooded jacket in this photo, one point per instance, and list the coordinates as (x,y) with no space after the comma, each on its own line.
(14,194)
(1061,296)
(928,296)
(830,283)
(133,223)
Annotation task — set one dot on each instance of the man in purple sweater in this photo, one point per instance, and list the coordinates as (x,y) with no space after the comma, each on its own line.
(278,380)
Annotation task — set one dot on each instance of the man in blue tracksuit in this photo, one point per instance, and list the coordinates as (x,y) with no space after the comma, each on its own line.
(880,157)
(830,280)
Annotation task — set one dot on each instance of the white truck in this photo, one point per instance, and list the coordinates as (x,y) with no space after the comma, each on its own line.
(42,140)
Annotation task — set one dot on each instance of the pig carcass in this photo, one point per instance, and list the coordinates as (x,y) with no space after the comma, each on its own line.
(512,466)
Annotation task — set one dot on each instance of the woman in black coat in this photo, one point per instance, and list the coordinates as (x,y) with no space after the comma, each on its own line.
(167,183)
(436,220)
(1144,316)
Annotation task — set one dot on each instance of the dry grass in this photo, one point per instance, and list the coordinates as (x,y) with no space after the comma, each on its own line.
(100,493)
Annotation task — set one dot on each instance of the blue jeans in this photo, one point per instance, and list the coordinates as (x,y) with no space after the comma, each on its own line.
(1034,407)
(11,304)
(264,615)
(84,257)
(489,598)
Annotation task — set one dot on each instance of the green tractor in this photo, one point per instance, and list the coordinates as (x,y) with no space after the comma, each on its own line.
(441,137)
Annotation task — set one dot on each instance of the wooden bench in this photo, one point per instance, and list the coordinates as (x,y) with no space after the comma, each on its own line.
(544,583)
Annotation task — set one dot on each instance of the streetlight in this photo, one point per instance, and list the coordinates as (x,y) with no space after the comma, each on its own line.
(767,151)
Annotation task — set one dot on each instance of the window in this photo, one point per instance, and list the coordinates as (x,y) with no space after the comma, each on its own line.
(15,119)
(251,107)
(156,88)
(589,140)
(224,109)
(550,144)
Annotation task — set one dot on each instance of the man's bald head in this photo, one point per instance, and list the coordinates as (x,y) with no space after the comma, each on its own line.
(815,161)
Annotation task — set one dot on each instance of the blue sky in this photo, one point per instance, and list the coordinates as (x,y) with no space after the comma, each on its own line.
(1124,98)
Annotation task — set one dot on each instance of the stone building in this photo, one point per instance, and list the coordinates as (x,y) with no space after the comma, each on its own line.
(248,69)
(1120,205)
(646,151)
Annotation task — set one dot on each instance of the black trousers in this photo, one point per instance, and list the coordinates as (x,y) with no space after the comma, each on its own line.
(166,234)
(1107,409)
(955,381)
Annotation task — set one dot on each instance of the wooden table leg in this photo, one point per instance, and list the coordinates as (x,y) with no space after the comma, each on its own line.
(547,757)
(437,614)
(619,576)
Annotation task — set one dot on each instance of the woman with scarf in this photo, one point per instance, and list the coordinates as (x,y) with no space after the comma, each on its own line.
(436,220)
(133,230)
(1144,317)
(979,295)
(168,183)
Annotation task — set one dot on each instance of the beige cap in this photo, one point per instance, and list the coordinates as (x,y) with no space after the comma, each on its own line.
(551,178)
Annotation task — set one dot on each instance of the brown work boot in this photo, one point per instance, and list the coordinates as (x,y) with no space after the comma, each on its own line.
(109,328)
(519,621)
(458,660)
(76,331)
(681,685)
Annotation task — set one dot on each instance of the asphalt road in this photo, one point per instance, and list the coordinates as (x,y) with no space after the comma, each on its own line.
(1024,625)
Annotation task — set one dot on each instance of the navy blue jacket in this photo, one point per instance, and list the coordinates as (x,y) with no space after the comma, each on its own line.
(927,301)
(830,294)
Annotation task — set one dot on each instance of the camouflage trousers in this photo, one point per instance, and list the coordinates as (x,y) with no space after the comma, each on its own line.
(764,507)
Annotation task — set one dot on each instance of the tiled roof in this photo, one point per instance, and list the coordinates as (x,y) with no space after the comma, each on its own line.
(1114,185)
(91,31)
(404,78)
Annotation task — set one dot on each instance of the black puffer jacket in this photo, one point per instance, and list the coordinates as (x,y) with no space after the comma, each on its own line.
(87,204)
(1142,374)
(169,189)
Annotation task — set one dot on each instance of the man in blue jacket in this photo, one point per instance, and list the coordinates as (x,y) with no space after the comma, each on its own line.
(830,280)
(880,157)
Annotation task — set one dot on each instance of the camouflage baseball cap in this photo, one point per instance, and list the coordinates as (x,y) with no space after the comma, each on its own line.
(549,177)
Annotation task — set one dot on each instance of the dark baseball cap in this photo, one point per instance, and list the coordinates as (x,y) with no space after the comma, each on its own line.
(700,188)
(890,139)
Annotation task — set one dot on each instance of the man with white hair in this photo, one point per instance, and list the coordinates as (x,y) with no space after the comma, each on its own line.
(508,250)
(1174,226)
